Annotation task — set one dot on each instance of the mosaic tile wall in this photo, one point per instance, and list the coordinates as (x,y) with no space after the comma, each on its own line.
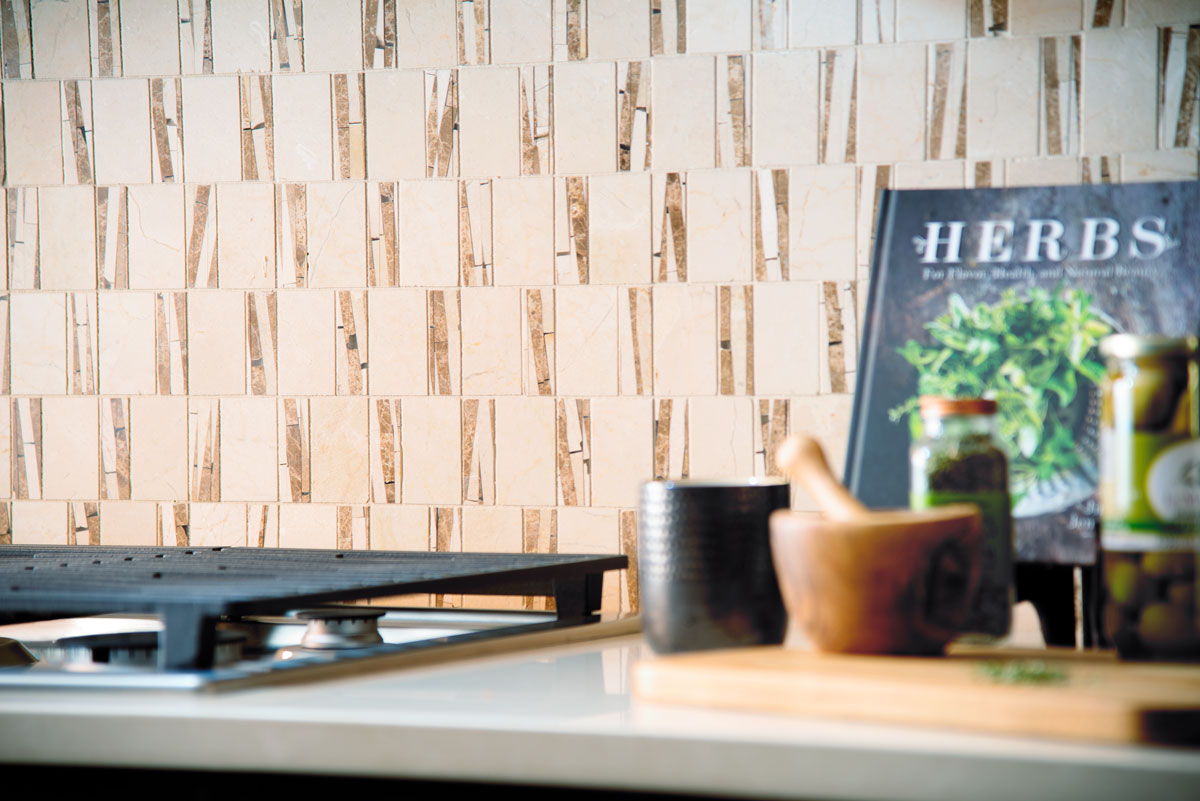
(443,274)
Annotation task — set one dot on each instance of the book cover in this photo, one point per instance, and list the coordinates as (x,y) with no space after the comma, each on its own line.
(1006,293)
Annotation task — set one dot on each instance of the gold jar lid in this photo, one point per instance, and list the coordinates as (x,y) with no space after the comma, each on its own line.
(1135,346)
(945,407)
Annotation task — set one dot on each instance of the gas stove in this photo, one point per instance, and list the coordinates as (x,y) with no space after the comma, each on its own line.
(225,618)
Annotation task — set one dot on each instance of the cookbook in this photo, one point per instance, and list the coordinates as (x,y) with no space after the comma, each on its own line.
(1006,293)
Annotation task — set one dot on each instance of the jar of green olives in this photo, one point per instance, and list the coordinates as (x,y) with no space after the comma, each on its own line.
(1150,495)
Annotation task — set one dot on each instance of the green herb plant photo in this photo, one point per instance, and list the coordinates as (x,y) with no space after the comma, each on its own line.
(1033,355)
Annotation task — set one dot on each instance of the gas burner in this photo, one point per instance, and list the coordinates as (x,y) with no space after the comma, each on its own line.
(128,649)
(337,628)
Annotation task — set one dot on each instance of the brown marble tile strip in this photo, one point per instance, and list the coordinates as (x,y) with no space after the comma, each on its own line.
(255,332)
(577,202)
(539,530)
(114,448)
(206,454)
(200,214)
(629,104)
(296,450)
(975,16)
(1050,86)
(983,173)
(121,434)
(341,123)
(772,421)
(576,30)
(5,523)
(852,126)
(475,232)
(447,522)
(351,319)
(674,223)
(473,33)
(748,304)
(83,518)
(83,335)
(345,534)
(737,110)
(999,16)
(158,123)
(725,341)
(941,84)
(537,342)
(3,168)
(442,131)
(387,204)
(1102,14)
(73,528)
(5,364)
(641,308)
(104,39)
(9,40)
(391,456)
(566,474)
(162,343)
(883,176)
(629,543)
(1191,79)
(182,524)
(479,451)
(439,344)
(79,128)
(260,541)
(1106,171)
(536,122)
(836,342)
(27,447)
(662,439)
(379,33)
(829,63)
(779,208)
(286,60)
(680,26)
(208,46)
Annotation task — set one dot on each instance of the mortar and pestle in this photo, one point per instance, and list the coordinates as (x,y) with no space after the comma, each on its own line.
(857,580)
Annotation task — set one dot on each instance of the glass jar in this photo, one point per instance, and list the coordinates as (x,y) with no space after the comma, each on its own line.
(957,460)
(1150,495)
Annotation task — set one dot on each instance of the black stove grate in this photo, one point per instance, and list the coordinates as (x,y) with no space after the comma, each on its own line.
(191,588)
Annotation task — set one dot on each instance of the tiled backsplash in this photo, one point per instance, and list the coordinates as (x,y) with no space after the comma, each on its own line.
(443,274)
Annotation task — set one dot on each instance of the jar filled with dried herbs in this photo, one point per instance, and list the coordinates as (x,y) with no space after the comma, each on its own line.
(957,460)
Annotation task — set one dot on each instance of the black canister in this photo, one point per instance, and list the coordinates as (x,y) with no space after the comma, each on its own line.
(705,574)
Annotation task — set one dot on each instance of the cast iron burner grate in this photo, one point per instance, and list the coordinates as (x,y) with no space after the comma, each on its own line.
(192,588)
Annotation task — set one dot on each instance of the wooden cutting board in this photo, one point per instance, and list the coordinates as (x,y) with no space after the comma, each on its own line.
(1053,692)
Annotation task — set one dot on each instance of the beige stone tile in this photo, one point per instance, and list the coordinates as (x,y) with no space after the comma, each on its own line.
(491,341)
(523,231)
(585,118)
(32,143)
(303,128)
(489,129)
(39,355)
(400,528)
(248,449)
(333,38)
(1159,165)
(719,226)
(785,329)
(430,437)
(585,332)
(492,530)
(339,450)
(685,338)
(22,249)
(720,437)
(622,450)
(825,418)
(1002,97)
(241,33)
(933,20)
(525,451)
(211,140)
(428,233)
(619,229)
(396,125)
(618,29)
(156,237)
(1155,12)
(684,120)
(60,40)
(216,524)
(67,237)
(1119,90)
(306,342)
(816,23)
(784,107)
(216,343)
(520,31)
(121,116)
(245,235)
(70,442)
(337,228)
(1030,17)
(717,26)
(931,175)
(399,331)
(149,37)
(39,523)
(158,448)
(307,525)
(131,522)
(6,451)
(891,104)
(127,357)
(593,531)
(1042,172)
(427,36)
(821,222)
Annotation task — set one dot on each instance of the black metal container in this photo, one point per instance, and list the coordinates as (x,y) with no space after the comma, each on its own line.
(705,574)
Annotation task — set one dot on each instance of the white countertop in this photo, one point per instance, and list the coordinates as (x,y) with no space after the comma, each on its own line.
(563,716)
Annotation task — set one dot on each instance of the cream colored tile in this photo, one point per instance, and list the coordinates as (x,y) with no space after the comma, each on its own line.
(876,21)
(491,531)
(523,230)
(303,128)
(586,340)
(622,450)
(6,451)
(246,235)
(821,216)
(307,525)
(396,124)
(1157,12)
(593,531)
(4,251)
(39,523)
(1029,17)
(618,29)
(685,338)
(718,25)
(619,229)
(720,437)
(216,337)
(785,330)
(1042,172)
(70,442)
(1002,98)
(211,126)
(131,523)
(489,129)
(32,144)
(426,34)
(340,471)
(585,118)
(241,33)
(520,31)
(816,23)
(684,118)
(1159,165)
(21,206)
(127,357)
(525,452)
(306,342)
(431,439)
(784,107)
(121,119)
(931,175)
(491,341)
(216,524)
(67,237)
(60,40)
(337,230)
(825,418)
(400,528)
(932,20)
(158,448)
(891,104)
(428,233)
(333,37)
(249,456)
(149,37)
(399,331)
(156,237)
(718,226)
(1119,92)
(39,354)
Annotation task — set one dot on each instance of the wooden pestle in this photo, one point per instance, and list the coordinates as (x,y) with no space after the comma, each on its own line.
(804,462)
